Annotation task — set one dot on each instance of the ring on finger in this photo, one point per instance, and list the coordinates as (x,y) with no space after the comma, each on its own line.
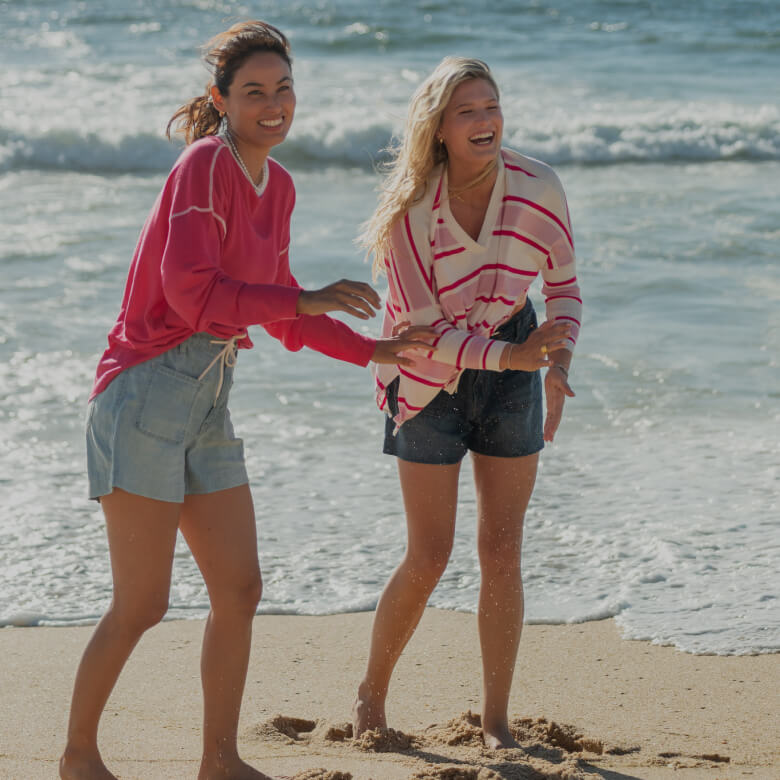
(544,349)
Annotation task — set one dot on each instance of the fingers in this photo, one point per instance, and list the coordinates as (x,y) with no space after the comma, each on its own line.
(400,327)
(388,350)
(415,332)
(356,298)
(551,336)
(553,418)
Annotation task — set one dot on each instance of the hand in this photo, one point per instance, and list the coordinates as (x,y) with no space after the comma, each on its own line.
(534,352)
(356,298)
(556,388)
(415,337)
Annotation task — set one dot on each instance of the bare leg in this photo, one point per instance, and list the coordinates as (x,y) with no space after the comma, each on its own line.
(220,530)
(504,487)
(430,498)
(141,539)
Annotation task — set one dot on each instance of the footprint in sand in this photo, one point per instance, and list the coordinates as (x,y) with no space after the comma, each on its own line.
(455,773)
(385,741)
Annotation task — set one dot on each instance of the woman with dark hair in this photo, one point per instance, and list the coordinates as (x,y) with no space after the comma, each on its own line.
(462,229)
(162,456)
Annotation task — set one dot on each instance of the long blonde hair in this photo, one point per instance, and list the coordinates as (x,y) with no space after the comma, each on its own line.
(418,152)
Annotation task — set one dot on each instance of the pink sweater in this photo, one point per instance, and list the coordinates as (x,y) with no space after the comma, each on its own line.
(439,276)
(213,257)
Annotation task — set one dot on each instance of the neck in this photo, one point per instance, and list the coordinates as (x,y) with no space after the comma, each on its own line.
(252,157)
(473,182)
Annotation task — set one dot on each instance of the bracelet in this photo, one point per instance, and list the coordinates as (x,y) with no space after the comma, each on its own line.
(561,368)
(509,357)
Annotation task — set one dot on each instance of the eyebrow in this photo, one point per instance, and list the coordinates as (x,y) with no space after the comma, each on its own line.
(472,102)
(258,84)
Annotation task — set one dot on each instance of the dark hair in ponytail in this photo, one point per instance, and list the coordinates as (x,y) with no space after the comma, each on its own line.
(225,54)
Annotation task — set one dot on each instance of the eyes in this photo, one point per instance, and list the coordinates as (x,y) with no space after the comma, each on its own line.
(257,93)
(467,111)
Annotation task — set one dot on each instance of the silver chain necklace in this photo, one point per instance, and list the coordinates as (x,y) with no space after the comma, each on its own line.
(239,160)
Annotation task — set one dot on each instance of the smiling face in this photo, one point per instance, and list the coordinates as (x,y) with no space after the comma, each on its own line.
(260,103)
(472,125)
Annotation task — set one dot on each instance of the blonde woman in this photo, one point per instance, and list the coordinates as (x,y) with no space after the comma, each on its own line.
(462,229)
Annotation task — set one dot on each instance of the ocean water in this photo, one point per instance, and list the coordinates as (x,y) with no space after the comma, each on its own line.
(657,504)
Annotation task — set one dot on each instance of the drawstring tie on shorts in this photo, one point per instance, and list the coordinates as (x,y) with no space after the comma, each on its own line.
(227,356)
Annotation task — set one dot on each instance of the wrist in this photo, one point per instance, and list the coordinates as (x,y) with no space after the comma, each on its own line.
(506,357)
(561,368)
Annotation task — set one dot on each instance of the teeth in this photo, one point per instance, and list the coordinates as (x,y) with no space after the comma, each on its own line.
(271,122)
(481,137)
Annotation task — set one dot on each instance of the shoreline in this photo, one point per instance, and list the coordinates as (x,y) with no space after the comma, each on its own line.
(652,711)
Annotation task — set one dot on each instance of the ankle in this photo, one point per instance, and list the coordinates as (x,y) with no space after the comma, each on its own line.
(369,693)
(80,747)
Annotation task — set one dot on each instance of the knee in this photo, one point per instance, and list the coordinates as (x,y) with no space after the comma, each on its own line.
(426,565)
(241,598)
(500,556)
(137,616)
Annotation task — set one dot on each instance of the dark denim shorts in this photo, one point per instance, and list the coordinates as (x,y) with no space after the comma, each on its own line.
(492,412)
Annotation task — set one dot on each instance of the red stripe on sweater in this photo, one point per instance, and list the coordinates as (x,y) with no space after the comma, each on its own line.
(497,266)
(410,375)
(558,297)
(518,168)
(428,280)
(507,301)
(544,211)
(398,280)
(524,239)
(438,194)
(562,284)
(402,400)
(449,252)
(460,351)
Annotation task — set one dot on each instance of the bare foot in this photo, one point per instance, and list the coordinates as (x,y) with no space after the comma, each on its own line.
(367,713)
(235,769)
(83,766)
(499,738)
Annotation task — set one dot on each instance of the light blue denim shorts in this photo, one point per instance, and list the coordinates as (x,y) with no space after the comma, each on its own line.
(156,430)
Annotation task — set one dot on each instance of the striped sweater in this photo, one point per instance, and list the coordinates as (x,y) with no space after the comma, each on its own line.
(465,289)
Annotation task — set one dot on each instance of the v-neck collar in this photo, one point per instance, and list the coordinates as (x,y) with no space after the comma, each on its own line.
(489,222)
(258,188)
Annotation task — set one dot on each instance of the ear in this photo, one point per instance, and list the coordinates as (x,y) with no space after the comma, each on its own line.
(217,100)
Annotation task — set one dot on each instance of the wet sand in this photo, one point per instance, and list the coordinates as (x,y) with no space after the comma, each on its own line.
(585,703)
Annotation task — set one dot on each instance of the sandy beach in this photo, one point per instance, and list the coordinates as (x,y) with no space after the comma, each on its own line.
(585,703)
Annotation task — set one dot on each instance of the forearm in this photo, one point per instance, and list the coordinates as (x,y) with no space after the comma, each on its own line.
(562,357)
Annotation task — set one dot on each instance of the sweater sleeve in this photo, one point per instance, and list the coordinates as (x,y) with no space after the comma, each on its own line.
(323,334)
(563,300)
(194,284)
(413,298)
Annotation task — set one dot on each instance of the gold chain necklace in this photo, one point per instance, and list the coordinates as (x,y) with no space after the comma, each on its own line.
(457,192)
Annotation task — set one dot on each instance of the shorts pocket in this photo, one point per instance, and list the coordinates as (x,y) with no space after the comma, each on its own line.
(167,404)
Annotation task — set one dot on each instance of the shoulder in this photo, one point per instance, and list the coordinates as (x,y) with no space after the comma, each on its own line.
(423,211)
(534,179)
(280,183)
(279,174)
(201,153)
(197,163)
(523,168)
(416,226)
